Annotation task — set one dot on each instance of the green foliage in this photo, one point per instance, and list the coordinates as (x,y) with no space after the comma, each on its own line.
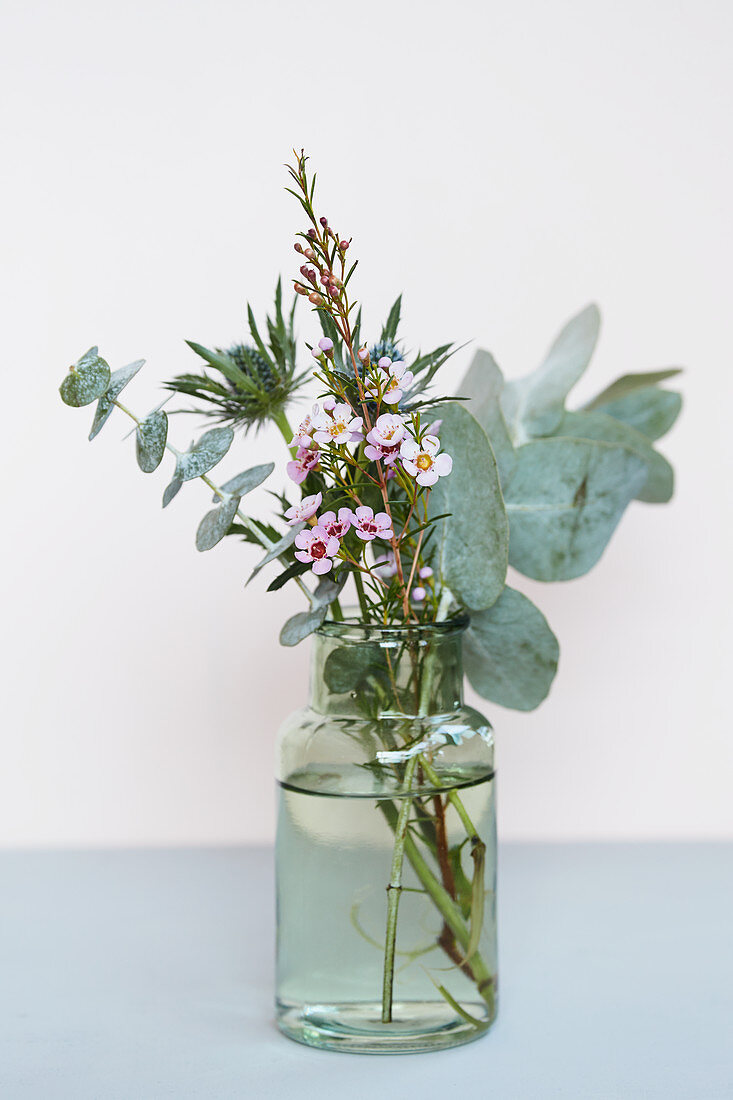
(483,385)
(151,435)
(301,625)
(278,549)
(564,501)
(216,523)
(470,548)
(105,404)
(534,405)
(511,653)
(630,383)
(248,480)
(86,381)
(659,485)
(253,382)
(203,455)
(172,490)
(650,410)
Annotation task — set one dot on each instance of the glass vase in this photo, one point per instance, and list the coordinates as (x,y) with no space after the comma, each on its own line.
(386,847)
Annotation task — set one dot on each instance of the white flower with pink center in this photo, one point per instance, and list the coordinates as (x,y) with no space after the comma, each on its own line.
(422,461)
(368,526)
(305,460)
(339,425)
(317,547)
(385,438)
(334,525)
(307,508)
(302,437)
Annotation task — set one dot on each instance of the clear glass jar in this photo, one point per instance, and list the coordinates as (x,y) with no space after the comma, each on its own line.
(386,847)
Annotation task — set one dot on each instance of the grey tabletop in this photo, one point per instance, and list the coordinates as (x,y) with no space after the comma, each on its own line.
(138,975)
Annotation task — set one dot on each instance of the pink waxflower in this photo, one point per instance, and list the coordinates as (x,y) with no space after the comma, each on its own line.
(368,526)
(338,425)
(316,546)
(307,507)
(385,438)
(305,460)
(302,437)
(422,461)
(418,593)
(394,381)
(334,525)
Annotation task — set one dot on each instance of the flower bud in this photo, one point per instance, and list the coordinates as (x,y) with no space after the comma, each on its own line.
(418,593)
(364,355)
(324,279)
(299,289)
(315,298)
(298,246)
(425,572)
(384,363)
(316,354)
(312,234)
(309,254)
(324,222)
(343,245)
(325,344)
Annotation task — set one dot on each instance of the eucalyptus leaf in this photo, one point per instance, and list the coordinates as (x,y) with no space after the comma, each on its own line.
(301,625)
(629,383)
(510,652)
(87,380)
(216,523)
(564,501)
(534,405)
(483,385)
(329,588)
(171,491)
(279,548)
(659,485)
(347,667)
(105,404)
(470,547)
(248,480)
(651,411)
(150,439)
(203,455)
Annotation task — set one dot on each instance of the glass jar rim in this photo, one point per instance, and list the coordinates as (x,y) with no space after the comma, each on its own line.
(351,629)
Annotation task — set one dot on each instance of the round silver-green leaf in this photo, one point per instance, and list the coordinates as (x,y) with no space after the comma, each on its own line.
(118,381)
(248,480)
(87,380)
(301,625)
(216,523)
(659,484)
(150,439)
(510,652)
(204,454)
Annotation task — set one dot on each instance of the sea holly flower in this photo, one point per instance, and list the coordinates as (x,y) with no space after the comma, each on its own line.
(368,526)
(422,461)
(317,547)
(337,526)
(307,508)
(338,426)
(305,460)
(385,438)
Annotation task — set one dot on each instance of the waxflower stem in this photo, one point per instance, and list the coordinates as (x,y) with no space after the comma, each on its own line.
(394,891)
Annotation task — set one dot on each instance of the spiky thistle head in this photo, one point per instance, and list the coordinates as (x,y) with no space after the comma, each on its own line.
(253,382)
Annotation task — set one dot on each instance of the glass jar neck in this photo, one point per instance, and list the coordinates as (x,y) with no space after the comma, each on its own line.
(381,672)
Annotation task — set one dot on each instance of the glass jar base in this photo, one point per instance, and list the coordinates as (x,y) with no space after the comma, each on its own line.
(357,1027)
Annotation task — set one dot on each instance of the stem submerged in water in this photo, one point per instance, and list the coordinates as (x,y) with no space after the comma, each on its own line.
(394,890)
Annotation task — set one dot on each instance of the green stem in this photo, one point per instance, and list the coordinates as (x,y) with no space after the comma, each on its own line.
(394,890)
(282,422)
(362,597)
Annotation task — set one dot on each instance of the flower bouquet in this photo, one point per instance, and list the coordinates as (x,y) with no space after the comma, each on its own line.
(402,511)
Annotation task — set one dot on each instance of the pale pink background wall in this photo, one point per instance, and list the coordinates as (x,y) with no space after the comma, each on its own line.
(526,158)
